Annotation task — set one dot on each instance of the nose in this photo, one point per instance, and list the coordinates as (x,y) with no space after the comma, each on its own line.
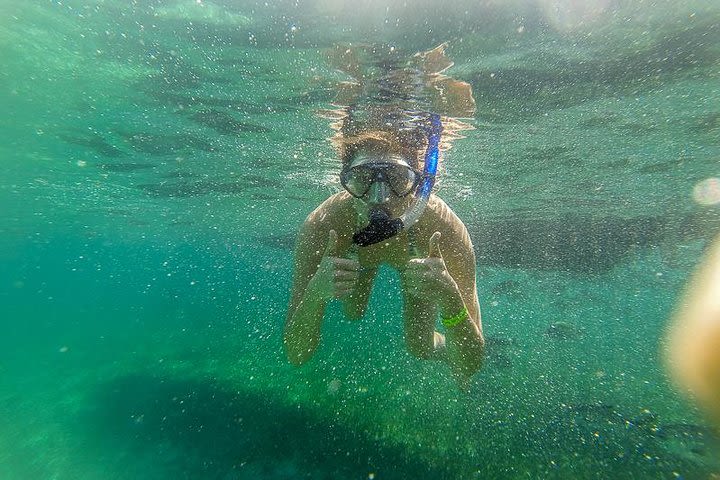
(379,193)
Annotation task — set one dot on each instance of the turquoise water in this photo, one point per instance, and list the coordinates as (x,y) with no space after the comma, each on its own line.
(159,156)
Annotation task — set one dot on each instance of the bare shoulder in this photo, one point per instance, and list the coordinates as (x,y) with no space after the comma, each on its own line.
(332,211)
(440,217)
(336,213)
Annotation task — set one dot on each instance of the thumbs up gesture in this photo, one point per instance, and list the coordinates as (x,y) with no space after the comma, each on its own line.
(428,277)
(335,277)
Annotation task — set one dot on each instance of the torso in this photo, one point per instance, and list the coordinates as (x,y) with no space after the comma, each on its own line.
(395,251)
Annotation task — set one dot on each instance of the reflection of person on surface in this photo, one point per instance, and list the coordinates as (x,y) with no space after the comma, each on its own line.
(382,172)
(694,338)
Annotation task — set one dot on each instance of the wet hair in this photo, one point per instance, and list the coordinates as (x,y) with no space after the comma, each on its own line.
(387,129)
(379,141)
(378,131)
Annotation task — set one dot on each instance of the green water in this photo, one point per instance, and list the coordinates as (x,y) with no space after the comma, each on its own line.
(159,156)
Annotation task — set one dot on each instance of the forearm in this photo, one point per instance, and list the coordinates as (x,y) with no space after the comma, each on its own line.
(302,329)
(355,304)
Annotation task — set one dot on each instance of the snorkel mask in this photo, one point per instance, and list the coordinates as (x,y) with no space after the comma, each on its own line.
(382,226)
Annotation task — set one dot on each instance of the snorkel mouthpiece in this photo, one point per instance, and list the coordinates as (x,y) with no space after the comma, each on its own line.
(381,227)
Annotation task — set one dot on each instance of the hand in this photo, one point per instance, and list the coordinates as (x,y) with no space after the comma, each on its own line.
(335,277)
(428,277)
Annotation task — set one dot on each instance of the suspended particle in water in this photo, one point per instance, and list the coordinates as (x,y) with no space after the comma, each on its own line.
(707,192)
(334,386)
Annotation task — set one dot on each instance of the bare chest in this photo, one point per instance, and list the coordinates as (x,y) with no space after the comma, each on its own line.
(394,252)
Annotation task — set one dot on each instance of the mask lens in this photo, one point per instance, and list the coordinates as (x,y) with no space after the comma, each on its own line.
(358,180)
(400,179)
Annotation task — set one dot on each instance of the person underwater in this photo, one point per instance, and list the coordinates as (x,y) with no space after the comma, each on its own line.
(387,214)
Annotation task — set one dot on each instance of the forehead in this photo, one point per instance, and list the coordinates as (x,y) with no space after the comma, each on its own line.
(364,158)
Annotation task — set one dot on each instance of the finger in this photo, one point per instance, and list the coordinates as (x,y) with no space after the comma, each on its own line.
(415,264)
(347,264)
(420,268)
(346,276)
(331,249)
(434,264)
(343,286)
(434,250)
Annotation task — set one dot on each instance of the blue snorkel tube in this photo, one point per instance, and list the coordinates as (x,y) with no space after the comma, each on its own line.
(381,226)
(432,157)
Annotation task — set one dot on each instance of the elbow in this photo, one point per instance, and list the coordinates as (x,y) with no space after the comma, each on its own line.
(473,358)
(299,343)
(421,351)
(296,354)
(296,361)
(480,353)
(296,358)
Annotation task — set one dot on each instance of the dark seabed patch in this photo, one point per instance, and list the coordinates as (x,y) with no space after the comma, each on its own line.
(546,155)
(154,144)
(581,438)
(182,102)
(705,124)
(278,241)
(178,175)
(501,351)
(124,167)
(522,92)
(510,288)
(225,123)
(669,166)
(93,141)
(580,244)
(691,440)
(264,197)
(190,429)
(206,187)
(563,331)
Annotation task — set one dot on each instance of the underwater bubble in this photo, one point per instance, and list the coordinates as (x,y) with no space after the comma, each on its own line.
(707,192)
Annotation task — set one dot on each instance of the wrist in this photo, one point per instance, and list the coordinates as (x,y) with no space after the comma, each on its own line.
(451,301)
(450,322)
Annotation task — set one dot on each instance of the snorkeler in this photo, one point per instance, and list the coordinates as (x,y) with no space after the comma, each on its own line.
(387,214)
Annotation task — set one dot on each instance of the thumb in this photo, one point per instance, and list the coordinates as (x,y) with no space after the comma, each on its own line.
(331,249)
(434,250)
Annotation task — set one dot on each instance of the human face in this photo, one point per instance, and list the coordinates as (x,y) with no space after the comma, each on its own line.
(382,171)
